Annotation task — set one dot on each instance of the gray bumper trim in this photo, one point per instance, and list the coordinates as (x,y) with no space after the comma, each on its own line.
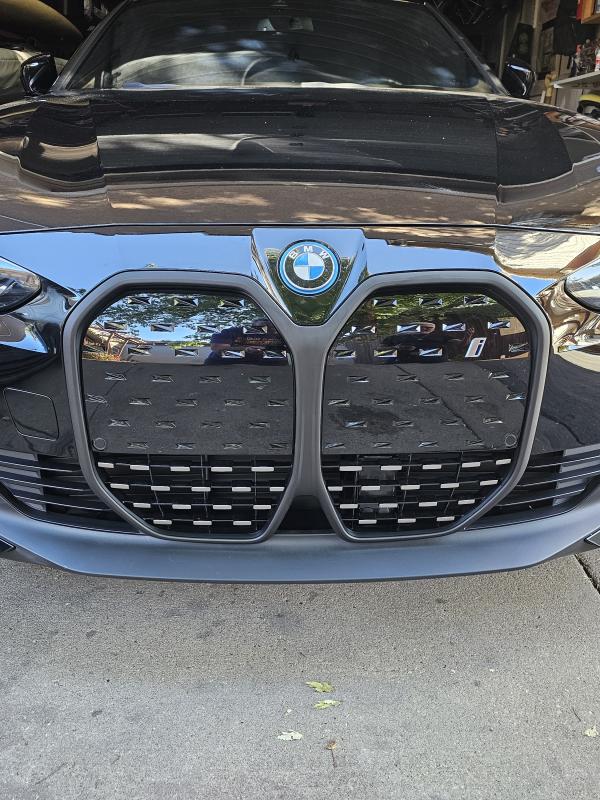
(300,558)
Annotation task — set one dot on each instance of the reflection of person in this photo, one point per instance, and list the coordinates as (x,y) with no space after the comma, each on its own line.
(237,344)
(408,343)
(451,344)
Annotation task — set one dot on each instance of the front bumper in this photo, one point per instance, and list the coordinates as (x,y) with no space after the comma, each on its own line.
(59,473)
(300,558)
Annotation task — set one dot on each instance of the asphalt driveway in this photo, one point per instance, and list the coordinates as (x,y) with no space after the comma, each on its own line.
(485,687)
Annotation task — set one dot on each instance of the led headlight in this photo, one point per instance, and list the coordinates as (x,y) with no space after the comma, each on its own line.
(17,285)
(584,286)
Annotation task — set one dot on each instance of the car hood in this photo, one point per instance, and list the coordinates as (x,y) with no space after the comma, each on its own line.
(345,157)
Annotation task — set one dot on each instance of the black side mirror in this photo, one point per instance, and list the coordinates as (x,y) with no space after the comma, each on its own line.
(518,77)
(38,74)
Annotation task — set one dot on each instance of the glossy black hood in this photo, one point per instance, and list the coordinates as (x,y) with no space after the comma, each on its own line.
(403,156)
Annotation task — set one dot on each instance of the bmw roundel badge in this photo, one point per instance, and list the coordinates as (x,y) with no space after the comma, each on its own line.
(309,268)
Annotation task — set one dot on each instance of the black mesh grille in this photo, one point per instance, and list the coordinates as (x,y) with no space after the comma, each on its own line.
(377,496)
(198,497)
(55,488)
(405,495)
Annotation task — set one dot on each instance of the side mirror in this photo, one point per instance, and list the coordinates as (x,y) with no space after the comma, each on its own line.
(38,74)
(518,77)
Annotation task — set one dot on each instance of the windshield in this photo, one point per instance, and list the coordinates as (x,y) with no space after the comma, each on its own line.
(286,43)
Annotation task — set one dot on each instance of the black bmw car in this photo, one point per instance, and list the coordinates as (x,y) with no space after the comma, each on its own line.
(294,291)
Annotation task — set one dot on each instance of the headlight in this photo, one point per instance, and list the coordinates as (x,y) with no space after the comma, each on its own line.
(17,286)
(584,286)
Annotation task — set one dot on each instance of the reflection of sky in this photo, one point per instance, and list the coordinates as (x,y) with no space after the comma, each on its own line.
(82,260)
(181,333)
(534,286)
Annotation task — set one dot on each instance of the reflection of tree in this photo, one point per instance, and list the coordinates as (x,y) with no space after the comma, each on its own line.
(408,309)
(207,310)
(376,326)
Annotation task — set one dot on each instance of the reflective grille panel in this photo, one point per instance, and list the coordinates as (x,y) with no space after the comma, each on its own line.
(411,379)
(411,373)
(203,374)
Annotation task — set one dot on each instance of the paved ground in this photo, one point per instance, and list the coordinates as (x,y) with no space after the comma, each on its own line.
(466,688)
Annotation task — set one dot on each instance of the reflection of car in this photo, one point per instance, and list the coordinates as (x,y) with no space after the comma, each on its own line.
(589,103)
(27,27)
(295,291)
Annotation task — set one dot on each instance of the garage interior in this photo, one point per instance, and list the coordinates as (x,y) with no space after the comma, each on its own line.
(560,39)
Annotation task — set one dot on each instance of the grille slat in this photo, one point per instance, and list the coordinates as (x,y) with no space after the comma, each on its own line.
(34,500)
(53,488)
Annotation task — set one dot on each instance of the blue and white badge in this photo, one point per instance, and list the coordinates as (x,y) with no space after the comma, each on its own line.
(309,268)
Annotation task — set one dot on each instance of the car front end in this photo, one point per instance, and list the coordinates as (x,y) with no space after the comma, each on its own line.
(319,333)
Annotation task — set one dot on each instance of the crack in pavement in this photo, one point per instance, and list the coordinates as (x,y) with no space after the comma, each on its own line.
(591,576)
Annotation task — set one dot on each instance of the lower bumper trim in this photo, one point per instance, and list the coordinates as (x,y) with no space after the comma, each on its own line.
(301,557)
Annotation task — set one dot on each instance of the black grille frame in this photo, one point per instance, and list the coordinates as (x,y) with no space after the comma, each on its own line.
(309,355)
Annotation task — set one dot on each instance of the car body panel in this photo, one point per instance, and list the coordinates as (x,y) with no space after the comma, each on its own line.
(335,158)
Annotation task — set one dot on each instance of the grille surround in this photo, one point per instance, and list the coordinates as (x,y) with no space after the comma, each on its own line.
(309,354)
(183,387)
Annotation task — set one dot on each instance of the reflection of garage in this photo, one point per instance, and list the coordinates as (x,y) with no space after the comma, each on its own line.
(548,34)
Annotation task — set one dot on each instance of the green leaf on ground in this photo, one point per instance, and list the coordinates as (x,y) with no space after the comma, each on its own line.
(320,686)
(327,703)
(290,736)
